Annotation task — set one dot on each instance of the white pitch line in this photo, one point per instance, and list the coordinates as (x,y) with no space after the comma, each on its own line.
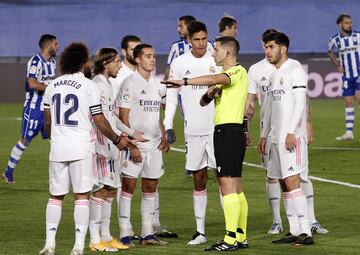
(312,177)
(334,148)
(326,148)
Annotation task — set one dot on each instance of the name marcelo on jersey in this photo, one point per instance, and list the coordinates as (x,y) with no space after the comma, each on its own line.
(70,83)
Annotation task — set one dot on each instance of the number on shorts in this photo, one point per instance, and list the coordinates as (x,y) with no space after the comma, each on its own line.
(33,123)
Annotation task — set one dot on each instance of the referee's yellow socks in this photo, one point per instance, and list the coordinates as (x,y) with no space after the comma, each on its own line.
(232,214)
(242,220)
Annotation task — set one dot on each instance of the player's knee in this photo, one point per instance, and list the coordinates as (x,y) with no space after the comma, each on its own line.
(128,185)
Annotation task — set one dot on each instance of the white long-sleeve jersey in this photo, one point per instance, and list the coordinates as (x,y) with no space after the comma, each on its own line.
(288,86)
(197,120)
(259,79)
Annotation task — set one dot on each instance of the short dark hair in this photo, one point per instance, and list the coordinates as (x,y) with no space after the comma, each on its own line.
(187,19)
(73,58)
(279,38)
(342,17)
(129,38)
(268,31)
(226,21)
(229,41)
(195,27)
(45,39)
(103,57)
(138,49)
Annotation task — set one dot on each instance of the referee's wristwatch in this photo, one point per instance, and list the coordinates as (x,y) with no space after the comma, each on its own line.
(185,81)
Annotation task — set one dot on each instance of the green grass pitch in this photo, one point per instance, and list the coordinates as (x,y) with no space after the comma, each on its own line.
(22,206)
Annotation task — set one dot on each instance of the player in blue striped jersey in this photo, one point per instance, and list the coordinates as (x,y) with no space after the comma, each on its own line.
(40,71)
(228,26)
(347,43)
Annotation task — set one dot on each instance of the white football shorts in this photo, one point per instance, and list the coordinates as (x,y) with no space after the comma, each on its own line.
(81,174)
(199,152)
(284,163)
(151,166)
(108,172)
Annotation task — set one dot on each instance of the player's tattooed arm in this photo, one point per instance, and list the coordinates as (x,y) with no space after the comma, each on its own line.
(47,126)
(250,106)
(309,127)
(308,109)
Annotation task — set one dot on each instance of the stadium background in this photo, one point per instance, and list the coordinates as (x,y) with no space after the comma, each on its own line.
(100,23)
(334,165)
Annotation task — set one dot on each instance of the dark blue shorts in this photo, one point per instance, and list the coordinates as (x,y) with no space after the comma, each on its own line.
(32,123)
(350,86)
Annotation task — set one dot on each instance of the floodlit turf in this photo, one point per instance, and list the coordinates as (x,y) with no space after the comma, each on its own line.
(22,206)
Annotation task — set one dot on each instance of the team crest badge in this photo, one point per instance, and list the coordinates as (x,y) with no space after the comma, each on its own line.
(125,163)
(281,81)
(212,69)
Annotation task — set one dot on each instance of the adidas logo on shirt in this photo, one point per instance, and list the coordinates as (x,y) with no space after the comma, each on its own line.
(291,169)
(187,72)
(143,92)
(263,79)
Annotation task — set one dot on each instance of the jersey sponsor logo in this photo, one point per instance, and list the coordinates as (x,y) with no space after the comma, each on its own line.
(276,94)
(199,87)
(212,69)
(150,105)
(234,72)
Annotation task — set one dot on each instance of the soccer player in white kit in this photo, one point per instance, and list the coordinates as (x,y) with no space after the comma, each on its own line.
(70,102)
(198,121)
(286,124)
(128,43)
(107,64)
(141,95)
(259,78)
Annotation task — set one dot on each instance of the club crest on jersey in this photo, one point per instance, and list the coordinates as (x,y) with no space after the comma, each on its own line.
(212,69)
(281,81)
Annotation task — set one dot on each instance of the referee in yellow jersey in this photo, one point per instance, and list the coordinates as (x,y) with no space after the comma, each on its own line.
(229,89)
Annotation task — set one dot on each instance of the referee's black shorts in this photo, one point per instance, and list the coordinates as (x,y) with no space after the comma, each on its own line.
(230,146)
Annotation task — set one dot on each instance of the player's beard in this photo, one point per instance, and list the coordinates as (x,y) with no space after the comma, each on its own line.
(348,31)
(131,60)
(52,53)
